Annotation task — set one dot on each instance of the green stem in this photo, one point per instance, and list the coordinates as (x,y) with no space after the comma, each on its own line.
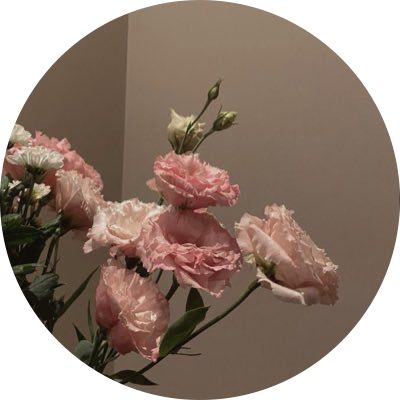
(172,289)
(253,286)
(191,125)
(50,251)
(211,131)
(160,272)
(96,345)
(28,202)
(53,268)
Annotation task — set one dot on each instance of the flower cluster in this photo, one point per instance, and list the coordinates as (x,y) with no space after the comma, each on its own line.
(179,236)
(41,172)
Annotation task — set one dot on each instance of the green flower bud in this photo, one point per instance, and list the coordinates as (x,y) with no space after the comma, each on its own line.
(225,119)
(214,91)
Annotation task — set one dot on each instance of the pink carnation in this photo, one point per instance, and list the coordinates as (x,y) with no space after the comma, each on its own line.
(185,181)
(78,198)
(194,245)
(72,160)
(118,225)
(132,310)
(289,262)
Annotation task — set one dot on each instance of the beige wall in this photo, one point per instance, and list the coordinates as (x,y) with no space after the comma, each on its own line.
(82,98)
(308,136)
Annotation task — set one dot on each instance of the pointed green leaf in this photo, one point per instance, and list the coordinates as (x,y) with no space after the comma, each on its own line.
(25,269)
(79,334)
(128,376)
(181,329)
(20,235)
(4,182)
(43,286)
(90,321)
(83,350)
(194,300)
(68,303)
(10,221)
(51,226)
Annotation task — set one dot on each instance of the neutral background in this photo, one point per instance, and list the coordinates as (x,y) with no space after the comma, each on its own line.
(309,136)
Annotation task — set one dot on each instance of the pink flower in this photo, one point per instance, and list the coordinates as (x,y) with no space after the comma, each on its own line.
(72,160)
(194,245)
(78,198)
(185,181)
(118,225)
(15,171)
(288,261)
(132,310)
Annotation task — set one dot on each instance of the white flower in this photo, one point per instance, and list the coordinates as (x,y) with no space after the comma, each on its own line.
(37,157)
(20,135)
(13,184)
(177,129)
(40,190)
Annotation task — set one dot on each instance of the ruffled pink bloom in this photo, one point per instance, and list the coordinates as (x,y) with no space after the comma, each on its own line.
(132,310)
(16,172)
(72,160)
(289,262)
(195,246)
(118,226)
(78,198)
(185,181)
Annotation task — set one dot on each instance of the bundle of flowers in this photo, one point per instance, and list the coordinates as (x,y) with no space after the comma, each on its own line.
(176,238)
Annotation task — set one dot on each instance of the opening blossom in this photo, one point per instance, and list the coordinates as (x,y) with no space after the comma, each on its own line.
(177,129)
(39,191)
(288,261)
(185,181)
(132,310)
(201,253)
(20,135)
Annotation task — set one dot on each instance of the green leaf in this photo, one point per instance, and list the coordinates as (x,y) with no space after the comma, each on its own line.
(181,329)
(43,286)
(25,269)
(10,221)
(51,226)
(194,300)
(83,350)
(68,303)
(90,321)
(15,233)
(4,182)
(128,376)
(79,334)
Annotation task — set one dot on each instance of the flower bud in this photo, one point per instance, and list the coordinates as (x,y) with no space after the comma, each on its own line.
(214,91)
(177,130)
(225,120)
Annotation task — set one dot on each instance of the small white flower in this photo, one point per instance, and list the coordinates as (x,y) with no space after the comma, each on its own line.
(37,157)
(13,184)
(20,135)
(40,190)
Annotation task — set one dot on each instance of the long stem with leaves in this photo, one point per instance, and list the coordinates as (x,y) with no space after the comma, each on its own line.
(253,286)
